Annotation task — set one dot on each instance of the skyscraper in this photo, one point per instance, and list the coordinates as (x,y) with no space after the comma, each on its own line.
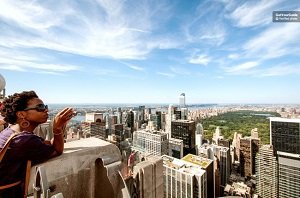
(130,120)
(248,149)
(223,156)
(169,118)
(182,100)
(184,130)
(199,135)
(142,113)
(285,135)
(267,172)
(285,138)
(156,119)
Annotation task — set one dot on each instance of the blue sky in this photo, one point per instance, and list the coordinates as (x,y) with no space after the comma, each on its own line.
(129,51)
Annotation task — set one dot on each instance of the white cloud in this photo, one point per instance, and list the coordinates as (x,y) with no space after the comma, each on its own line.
(229,4)
(219,77)
(22,61)
(213,33)
(280,70)
(51,73)
(96,29)
(253,13)
(252,69)
(179,70)
(136,68)
(274,42)
(206,26)
(105,72)
(30,15)
(201,59)
(166,42)
(170,75)
(12,68)
(233,56)
(245,68)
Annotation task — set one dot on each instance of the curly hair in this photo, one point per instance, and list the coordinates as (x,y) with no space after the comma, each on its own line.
(14,103)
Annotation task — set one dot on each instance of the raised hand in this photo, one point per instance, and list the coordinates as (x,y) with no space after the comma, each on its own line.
(61,119)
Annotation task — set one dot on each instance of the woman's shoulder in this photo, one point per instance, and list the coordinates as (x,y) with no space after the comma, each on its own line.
(25,137)
(4,135)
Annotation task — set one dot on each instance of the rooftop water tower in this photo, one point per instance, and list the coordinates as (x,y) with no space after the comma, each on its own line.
(2,88)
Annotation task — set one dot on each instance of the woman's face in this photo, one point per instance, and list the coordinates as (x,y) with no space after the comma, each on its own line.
(36,111)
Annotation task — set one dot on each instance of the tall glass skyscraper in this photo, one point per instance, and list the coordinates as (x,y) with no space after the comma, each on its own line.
(285,135)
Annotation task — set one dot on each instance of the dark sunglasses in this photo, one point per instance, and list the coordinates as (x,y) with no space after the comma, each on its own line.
(38,107)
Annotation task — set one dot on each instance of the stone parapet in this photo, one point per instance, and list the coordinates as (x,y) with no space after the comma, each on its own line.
(148,177)
(79,172)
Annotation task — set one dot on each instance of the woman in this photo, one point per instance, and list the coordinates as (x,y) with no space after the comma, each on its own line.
(24,112)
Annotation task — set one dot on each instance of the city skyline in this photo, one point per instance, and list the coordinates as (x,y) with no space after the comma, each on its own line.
(219,51)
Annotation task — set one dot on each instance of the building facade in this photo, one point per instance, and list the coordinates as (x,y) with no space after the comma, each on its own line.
(207,165)
(285,138)
(285,135)
(288,176)
(266,172)
(248,150)
(94,129)
(182,100)
(223,156)
(151,142)
(183,179)
(176,148)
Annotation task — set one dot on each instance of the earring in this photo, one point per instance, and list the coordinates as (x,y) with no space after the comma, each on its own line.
(24,124)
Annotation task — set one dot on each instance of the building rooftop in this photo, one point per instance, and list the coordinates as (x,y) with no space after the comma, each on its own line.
(267,146)
(183,121)
(279,119)
(238,188)
(206,146)
(175,140)
(182,166)
(200,161)
(154,132)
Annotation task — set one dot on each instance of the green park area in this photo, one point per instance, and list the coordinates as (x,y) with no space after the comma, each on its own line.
(241,122)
